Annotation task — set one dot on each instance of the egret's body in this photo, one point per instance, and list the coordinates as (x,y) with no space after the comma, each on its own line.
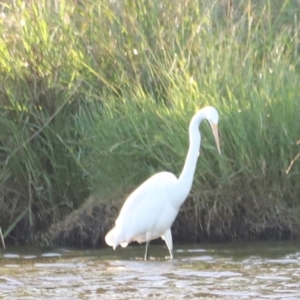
(150,210)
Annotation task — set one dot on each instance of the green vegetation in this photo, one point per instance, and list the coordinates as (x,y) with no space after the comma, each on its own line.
(97,95)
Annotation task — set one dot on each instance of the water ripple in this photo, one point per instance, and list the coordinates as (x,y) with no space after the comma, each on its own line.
(223,274)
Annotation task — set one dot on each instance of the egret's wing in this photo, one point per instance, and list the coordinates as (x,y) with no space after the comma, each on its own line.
(142,218)
(151,190)
(144,207)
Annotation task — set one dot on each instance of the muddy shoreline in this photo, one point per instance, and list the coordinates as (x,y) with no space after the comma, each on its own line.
(88,225)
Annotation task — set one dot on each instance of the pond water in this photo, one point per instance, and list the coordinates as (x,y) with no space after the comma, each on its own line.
(210,271)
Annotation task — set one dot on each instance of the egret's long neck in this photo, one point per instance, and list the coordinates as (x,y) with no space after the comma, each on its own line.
(187,174)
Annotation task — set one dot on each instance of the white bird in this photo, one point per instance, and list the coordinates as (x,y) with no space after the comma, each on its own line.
(150,210)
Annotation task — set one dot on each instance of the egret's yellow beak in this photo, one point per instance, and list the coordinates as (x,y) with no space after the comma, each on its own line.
(216,135)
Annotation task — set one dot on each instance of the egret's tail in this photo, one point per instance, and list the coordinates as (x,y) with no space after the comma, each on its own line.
(111,237)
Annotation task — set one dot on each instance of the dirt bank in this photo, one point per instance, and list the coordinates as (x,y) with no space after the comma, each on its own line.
(203,217)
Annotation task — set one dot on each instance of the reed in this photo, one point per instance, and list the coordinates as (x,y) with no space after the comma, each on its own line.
(96,96)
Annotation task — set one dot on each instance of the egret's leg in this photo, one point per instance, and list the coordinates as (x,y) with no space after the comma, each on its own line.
(168,239)
(146,251)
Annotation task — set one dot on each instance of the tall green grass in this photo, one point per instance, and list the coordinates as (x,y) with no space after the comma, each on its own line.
(96,96)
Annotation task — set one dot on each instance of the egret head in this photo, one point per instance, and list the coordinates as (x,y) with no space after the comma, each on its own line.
(212,116)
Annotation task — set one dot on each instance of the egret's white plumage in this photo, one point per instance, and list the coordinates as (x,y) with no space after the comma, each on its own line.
(151,209)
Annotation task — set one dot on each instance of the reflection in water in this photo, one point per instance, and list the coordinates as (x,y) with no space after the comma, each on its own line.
(229,271)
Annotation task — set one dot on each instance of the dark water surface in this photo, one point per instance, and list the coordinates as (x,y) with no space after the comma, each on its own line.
(212,271)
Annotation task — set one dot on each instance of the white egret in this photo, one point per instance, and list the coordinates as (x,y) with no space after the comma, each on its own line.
(151,209)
